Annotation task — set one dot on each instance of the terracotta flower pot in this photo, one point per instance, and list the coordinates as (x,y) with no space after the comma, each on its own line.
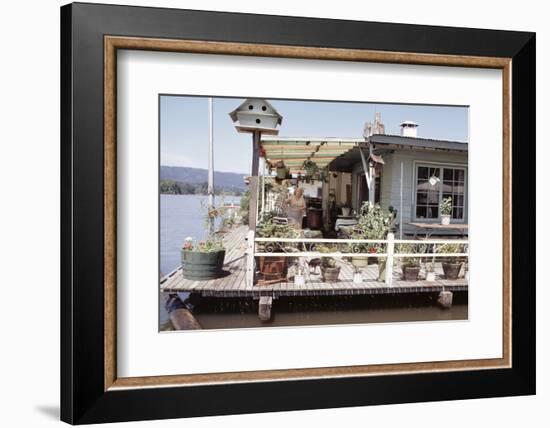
(273,268)
(451,270)
(330,274)
(410,273)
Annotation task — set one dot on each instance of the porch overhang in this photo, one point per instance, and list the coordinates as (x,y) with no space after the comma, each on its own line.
(294,151)
(384,144)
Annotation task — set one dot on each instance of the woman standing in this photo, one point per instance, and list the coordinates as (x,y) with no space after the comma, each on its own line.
(296,208)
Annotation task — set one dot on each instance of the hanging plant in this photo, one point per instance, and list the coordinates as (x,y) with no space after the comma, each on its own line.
(310,168)
(282,170)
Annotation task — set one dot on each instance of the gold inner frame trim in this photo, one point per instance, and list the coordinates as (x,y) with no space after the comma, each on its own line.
(113,43)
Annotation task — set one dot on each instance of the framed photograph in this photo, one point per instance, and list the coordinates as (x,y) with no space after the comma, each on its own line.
(266,213)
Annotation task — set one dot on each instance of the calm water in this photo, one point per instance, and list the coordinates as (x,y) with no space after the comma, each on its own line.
(182,216)
(299,311)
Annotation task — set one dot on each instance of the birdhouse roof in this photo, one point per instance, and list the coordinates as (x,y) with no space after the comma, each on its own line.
(241,108)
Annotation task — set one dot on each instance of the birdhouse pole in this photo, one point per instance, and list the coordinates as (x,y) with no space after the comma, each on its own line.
(253,186)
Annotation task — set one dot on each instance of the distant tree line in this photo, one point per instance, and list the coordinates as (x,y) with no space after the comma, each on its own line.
(170,187)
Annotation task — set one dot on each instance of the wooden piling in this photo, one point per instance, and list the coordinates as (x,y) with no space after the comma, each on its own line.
(445,299)
(264,308)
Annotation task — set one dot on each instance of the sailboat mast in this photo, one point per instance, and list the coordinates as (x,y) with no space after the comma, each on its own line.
(211,159)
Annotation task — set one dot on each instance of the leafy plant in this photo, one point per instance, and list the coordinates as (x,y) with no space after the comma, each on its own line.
(310,168)
(327,262)
(446,206)
(206,246)
(373,223)
(268,227)
(411,249)
(245,206)
(451,248)
(212,242)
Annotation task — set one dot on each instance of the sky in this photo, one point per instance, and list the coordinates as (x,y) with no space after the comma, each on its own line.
(184,126)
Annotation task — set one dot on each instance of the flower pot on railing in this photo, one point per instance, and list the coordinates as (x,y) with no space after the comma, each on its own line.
(451,269)
(445,219)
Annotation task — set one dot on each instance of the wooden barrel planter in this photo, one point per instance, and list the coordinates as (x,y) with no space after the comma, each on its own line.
(202,266)
(451,270)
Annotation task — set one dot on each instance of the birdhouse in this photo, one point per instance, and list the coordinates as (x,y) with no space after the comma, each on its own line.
(256,115)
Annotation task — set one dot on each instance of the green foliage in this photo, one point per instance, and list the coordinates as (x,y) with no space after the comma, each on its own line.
(207,246)
(373,223)
(310,168)
(327,261)
(446,206)
(170,187)
(268,228)
(450,248)
(245,205)
(411,249)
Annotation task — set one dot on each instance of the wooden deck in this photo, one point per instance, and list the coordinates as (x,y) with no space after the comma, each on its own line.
(234,284)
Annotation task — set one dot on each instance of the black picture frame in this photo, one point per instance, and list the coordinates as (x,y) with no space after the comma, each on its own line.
(83,398)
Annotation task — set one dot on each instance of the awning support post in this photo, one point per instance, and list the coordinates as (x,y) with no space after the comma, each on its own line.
(369,173)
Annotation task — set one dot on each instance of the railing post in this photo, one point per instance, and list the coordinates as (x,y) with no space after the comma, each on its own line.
(389,259)
(250,258)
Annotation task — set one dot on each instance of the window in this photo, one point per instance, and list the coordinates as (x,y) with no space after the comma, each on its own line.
(435,183)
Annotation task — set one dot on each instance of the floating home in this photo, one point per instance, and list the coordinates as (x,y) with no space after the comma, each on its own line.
(406,174)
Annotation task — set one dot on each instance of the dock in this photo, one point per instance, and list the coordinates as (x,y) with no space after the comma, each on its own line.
(235,284)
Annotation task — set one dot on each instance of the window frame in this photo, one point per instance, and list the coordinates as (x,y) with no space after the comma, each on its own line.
(441,166)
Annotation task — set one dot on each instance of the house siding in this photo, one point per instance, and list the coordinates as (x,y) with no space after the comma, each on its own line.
(391,177)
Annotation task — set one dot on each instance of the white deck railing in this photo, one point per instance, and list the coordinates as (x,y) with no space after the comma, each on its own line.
(390,249)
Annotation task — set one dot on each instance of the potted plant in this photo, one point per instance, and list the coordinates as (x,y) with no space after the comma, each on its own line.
(204,260)
(446,207)
(373,223)
(310,168)
(346,210)
(330,271)
(274,267)
(410,266)
(282,170)
(451,265)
